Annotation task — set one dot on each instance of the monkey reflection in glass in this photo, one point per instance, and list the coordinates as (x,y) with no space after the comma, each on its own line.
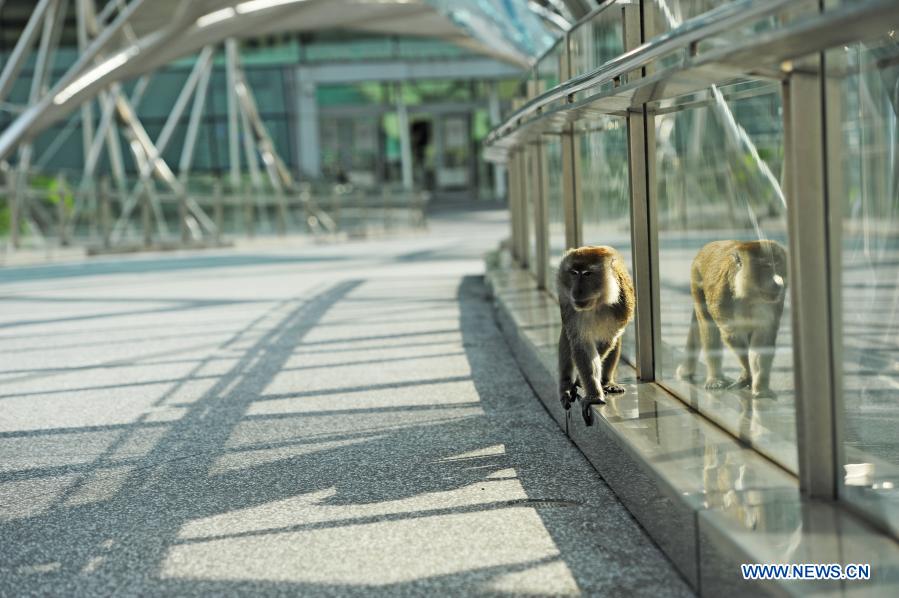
(738,290)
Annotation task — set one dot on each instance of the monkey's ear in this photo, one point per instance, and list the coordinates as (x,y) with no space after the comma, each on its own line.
(737,259)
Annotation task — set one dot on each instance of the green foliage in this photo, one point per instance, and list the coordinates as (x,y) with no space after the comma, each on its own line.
(4,217)
(51,186)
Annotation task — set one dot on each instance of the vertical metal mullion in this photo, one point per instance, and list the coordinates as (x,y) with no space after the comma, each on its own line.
(541,213)
(571,199)
(644,228)
(808,225)
(833,167)
(512,170)
(644,238)
(524,215)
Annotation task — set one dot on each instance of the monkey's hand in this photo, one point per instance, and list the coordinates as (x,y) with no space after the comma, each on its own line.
(613,388)
(568,394)
(587,411)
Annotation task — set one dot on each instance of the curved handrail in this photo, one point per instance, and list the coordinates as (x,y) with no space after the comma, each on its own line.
(707,24)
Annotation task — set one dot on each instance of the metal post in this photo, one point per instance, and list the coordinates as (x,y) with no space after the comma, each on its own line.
(644,214)
(525,216)
(541,214)
(494,109)
(571,176)
(146,217)
(512,169)
(218,209)
(61,209)
(231,95)
(12,197)
(812,281)
(105,212)
(278,173)
(248,210)
(182,218)
(308,142)
(402,115)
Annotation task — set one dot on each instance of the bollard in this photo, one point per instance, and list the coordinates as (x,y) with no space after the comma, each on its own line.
(13,199)
(145,216)
(248,210)
(182,217)
(335,207)
(88,198)
(218,209)
(61,209)
(105,212)
(282,212)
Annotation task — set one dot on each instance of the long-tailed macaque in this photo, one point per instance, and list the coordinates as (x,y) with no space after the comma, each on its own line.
(738,290)
(596,297)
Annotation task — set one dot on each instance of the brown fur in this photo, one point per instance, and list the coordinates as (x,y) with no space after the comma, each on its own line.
(596,298)
(738,290)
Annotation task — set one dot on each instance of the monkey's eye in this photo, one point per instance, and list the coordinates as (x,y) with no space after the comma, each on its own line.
(573,272)
(587,273)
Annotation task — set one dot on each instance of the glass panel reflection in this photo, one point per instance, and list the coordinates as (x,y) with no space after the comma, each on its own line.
(605,193)
(865,104)
(722,262)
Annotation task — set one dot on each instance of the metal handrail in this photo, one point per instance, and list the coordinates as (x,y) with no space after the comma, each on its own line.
(705,25)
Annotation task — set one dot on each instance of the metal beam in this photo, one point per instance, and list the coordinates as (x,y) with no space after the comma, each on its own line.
(38,79)
(22,48)
(193,124)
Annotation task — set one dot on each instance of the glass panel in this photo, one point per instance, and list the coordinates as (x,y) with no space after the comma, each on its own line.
(552,155)
(661,16)
(664,15)
(596,41)
(726,337)
(548,71)
(866,105)
(605,193)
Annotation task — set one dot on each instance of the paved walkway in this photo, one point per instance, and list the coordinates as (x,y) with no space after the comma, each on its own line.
(320,420)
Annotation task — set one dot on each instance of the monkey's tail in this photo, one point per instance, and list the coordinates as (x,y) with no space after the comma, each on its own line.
(686,370)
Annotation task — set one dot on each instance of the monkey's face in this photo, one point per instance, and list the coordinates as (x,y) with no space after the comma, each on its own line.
(761,274)
(591,282)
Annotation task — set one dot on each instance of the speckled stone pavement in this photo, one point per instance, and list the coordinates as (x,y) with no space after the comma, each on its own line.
(291,420)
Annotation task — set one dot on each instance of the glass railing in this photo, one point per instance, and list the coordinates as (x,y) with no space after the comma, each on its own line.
(689,134)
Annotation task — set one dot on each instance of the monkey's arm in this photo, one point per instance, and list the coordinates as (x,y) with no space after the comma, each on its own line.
(567,392)
(589,368)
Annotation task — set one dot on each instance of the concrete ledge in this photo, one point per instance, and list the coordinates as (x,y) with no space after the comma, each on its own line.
(709,502)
